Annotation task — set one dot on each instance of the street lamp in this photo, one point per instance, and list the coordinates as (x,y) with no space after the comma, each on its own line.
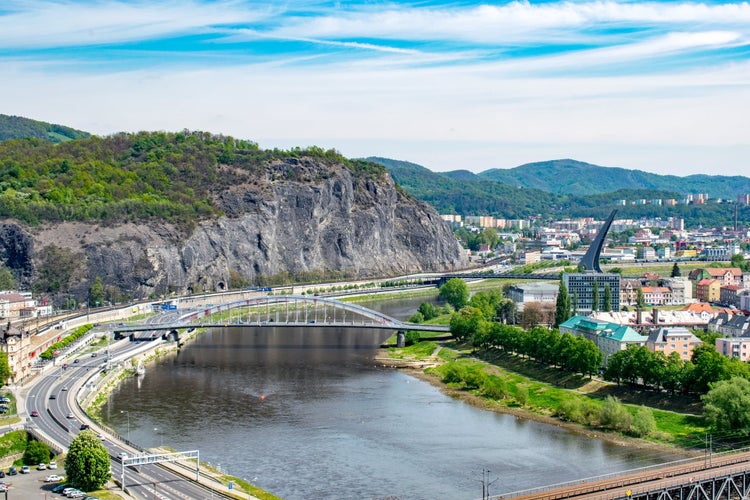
(126,412)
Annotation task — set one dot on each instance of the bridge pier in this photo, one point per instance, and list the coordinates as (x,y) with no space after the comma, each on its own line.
(400,339)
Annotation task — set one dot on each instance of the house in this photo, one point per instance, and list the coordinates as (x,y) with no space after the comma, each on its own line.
(657,295)
(727,275)
(534,292)
(673,339)
(730,324)
(734,347)
(729,295)
(708,290)
(608,337)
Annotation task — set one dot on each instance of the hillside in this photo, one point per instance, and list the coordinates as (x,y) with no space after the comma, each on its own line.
(579,178)
(16,127)
(464,193)
(151,213)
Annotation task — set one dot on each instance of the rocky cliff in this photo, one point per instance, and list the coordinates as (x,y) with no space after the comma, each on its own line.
(293,219)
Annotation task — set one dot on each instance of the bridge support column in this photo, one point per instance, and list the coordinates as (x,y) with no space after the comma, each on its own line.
(400,339)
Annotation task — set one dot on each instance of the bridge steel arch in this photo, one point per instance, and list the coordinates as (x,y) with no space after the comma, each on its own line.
(286,311)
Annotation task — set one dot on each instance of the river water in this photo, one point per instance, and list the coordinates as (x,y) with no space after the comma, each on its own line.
(307,414)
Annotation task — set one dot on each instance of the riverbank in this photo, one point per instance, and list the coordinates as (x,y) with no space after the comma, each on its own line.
(414,362)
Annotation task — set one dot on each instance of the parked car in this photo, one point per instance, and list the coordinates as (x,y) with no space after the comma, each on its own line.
(12,471)
(52,465)
(2,474)
(41,466)
(53,478)
(59,488)
(76,494)
(25,469)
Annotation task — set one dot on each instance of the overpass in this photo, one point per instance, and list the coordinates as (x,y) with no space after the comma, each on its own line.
(287,311)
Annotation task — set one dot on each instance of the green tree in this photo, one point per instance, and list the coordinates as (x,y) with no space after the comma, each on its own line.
(36,453)
(614,415)
(490,238)
(562,311)
(455,292)
(87,463)
(574,303)
(607,307)
(595,298)
(506,311)
(428,310)
(7,282)
(465,322)
(709,367)
(4,368)
(96,293)
(727,405)
(676,273)
(640,300)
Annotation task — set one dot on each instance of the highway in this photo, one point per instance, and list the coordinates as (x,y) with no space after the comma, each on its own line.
(60,419)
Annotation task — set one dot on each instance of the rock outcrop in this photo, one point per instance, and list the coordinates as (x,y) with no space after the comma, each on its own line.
(300,219)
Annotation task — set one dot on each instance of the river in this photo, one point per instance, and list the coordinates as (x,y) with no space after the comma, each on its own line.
(307,414)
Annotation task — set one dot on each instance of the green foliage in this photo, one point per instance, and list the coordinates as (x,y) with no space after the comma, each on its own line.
(562,309)
(727,405)
(87,462)
(607,306)
(614,415)
(640,299)
(455,292)
(4,368)
(96,293)
(676,273)
(13,442)
(77,334)
(595,304)
(135,177)
(16,127)
(36,453)
(644,422)
(411,337)
(7,281)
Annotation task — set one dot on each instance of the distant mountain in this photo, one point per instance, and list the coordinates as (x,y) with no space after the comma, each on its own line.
(16,127)
(462,192)
(579,178)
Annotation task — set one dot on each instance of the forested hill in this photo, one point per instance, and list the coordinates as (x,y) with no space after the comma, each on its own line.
(149,175)
(579,178)
(16,127)
(465,193)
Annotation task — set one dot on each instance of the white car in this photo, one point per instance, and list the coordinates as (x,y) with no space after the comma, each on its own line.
(53,478)
(52,465)
(41,466)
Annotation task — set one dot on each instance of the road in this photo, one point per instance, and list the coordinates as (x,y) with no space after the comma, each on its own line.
(60,419)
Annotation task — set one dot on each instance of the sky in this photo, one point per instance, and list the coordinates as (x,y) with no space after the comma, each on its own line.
(660,86)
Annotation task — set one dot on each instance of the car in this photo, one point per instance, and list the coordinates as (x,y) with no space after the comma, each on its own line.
(65,388)
(34,413)
(53,396)
(84,427)
(41,466)
(3,399)
(3,487)
(67,490)
(52,465)
(76,360)
(122,455)
(25,469)
(65,366)
(93,354)
(12,471)
(2,474)
(59,488)
(76,494)
(53,478)
(70,415)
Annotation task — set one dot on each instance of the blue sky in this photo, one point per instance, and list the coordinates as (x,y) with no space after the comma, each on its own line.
(660,86)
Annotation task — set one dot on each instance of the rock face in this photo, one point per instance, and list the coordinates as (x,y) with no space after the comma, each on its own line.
(300,220)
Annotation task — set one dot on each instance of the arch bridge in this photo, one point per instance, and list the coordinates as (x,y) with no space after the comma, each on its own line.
(288,311)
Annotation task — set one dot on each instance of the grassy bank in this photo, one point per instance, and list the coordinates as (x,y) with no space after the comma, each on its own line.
(507,384)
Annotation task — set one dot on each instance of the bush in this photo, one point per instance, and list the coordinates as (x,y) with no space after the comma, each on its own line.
(614,415)
(36,453)
(411,337)
(643,422)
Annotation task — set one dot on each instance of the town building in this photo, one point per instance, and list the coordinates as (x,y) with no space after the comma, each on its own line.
(730,324)
(533,292)
(734,347)
(608,337)
(708,290)
(581,287)
(729,295)
(667,340)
